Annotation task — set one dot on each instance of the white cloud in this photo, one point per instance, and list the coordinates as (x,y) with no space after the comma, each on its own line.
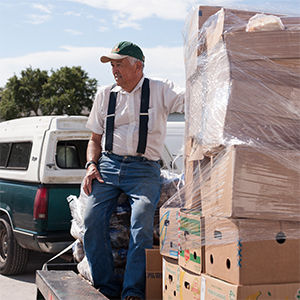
(88,58)
(128,13)
(72,13)
(102,28)
(136,10)
(92,17)
(44,8)
(165,62)
(38,19)
(140,9)
(73,32)
(120,20)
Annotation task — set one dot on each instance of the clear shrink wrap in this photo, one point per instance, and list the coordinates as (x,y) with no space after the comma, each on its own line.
(242,87)
(242,136)
(240,204)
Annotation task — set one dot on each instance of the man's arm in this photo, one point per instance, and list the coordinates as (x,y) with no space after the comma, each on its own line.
(94,148)
(93,153)
(174,97)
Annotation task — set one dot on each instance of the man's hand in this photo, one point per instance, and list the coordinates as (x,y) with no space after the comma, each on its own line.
(91,173)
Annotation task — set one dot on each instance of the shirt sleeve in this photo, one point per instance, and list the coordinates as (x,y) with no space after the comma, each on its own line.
(95,120)
(174,97)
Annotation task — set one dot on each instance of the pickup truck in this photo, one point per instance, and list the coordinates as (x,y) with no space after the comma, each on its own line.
(42,162)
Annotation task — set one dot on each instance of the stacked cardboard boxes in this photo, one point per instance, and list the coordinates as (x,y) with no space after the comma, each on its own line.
(178,282)
(242,158)
(181,268)
(242,87)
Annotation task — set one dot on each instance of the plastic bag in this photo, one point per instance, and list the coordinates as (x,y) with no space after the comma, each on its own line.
(262,22)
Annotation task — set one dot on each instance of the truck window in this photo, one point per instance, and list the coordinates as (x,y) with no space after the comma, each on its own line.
(71,154)
(15,155)
(4,151)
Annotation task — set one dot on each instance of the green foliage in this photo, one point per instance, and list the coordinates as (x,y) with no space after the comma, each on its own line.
(66,91)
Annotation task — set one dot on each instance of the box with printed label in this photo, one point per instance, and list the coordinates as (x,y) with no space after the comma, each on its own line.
(153,274)
(192,259)
(171,273)
(191,254)
(248,251)
(214,288)
(169,231)
(190,285)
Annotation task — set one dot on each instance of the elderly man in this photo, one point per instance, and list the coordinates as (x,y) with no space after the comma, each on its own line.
(128,124)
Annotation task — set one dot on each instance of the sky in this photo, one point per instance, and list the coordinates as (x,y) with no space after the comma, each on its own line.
(51,34)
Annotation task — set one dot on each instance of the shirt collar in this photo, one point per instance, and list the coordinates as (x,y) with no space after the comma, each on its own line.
(117,88)
(139,84)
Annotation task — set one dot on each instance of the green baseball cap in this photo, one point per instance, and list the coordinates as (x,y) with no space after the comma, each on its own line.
(122,50)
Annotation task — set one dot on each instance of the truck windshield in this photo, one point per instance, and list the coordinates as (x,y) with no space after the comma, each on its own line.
(71,154)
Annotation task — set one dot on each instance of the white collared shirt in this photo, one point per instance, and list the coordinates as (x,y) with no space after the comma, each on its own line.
(164,99)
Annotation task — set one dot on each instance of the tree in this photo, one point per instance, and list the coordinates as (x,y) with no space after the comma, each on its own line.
(65,91)
(68,90)
(21,96)
(8,108)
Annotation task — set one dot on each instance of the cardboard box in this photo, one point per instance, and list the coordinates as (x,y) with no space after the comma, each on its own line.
(192,187)
(256,45)
(263,132)
(171,275)
(169,231)
(192,259)
(153,274)
(209,20)
(250,95)
(191,229)
(261,114)
(213,288)
(244,182)
(230,25)
(240,86)
(248,251)
(190,285)
(200,21)
(191,254)
(234,17)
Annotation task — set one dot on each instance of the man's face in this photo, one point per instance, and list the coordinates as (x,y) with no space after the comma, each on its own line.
(124,72)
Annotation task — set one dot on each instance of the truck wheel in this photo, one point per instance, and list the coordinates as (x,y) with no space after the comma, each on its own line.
(13,258)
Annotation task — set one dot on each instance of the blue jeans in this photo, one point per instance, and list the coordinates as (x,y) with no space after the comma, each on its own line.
(139,178)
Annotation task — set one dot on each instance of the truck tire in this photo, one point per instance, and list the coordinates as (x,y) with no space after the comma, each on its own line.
(13,258)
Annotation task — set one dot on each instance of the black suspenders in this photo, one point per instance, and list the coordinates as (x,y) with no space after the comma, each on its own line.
(110,120)
(144,117)
(143,124)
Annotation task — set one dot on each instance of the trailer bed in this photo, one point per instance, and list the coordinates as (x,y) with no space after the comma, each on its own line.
(64,285)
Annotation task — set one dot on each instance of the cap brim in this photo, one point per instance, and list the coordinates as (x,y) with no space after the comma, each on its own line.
(111,56)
